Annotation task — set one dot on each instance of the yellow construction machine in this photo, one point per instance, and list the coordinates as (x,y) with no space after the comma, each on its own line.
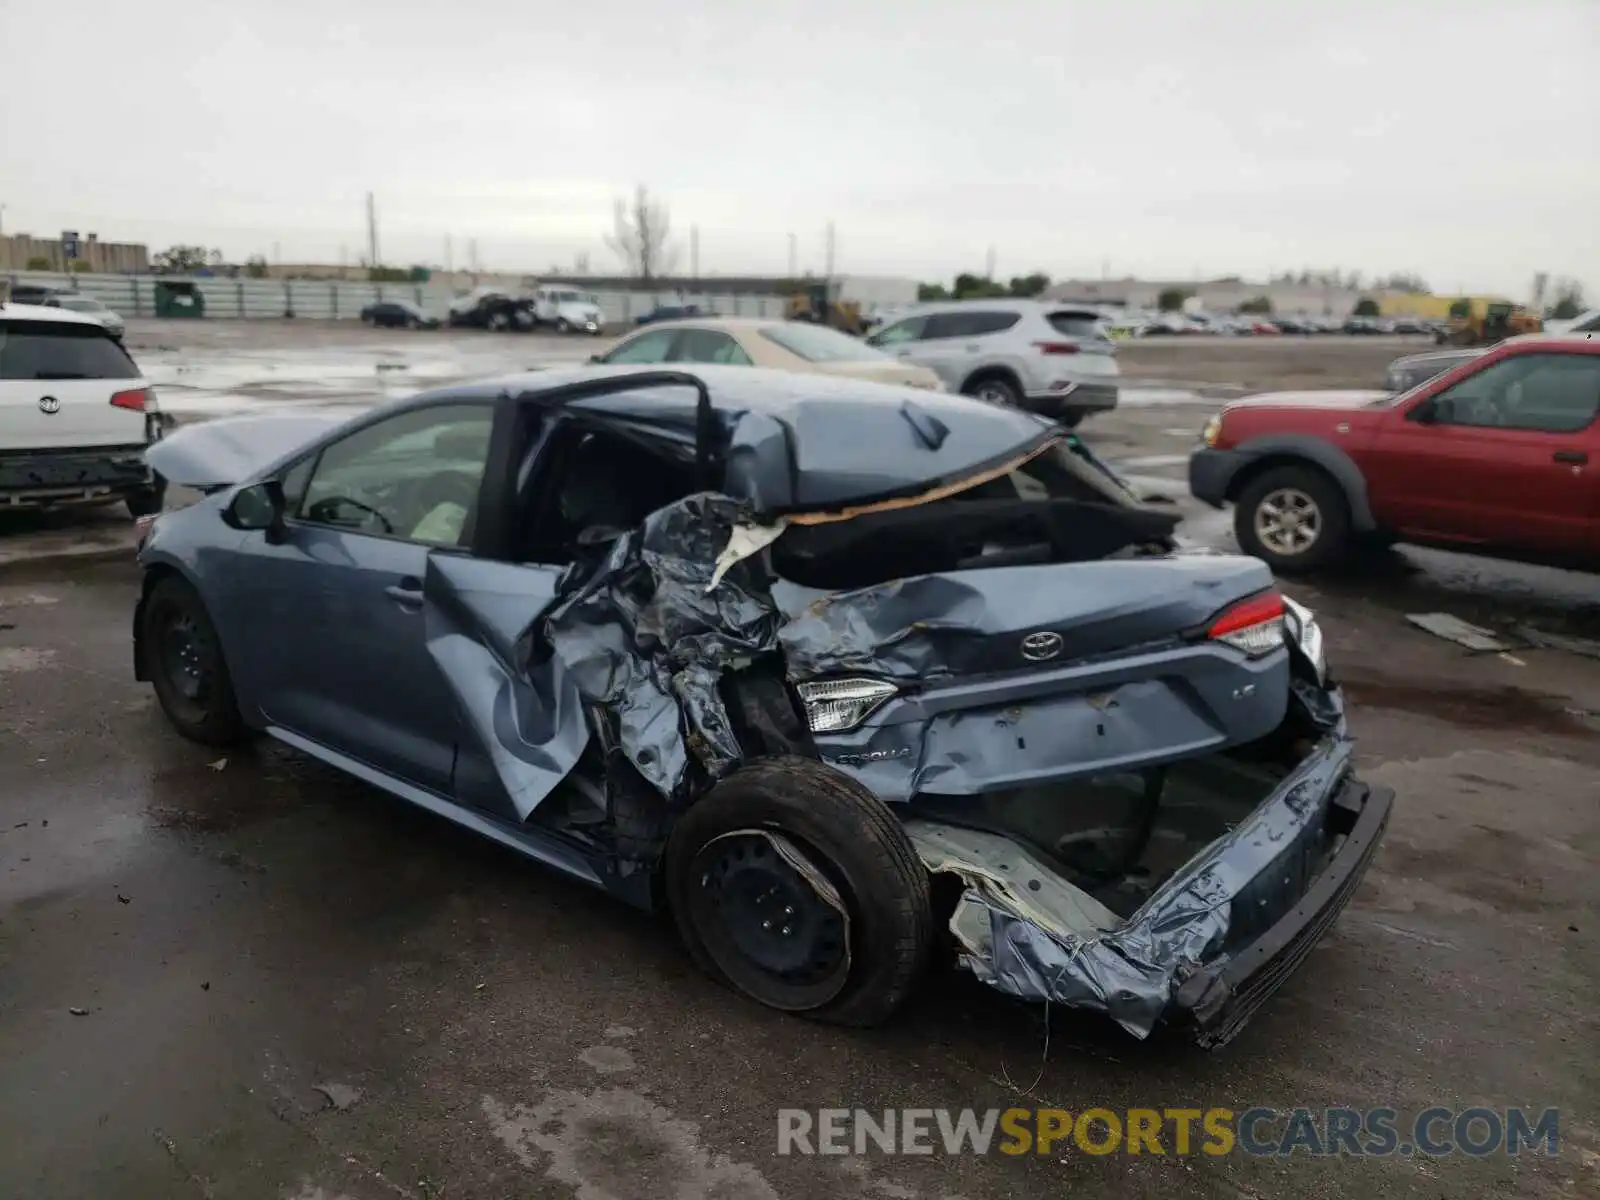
(819,303)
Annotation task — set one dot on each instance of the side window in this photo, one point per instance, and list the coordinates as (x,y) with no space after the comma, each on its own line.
(969,324)
(709,346)
(909,330)
(649,347)
(1553,393)
(414,476)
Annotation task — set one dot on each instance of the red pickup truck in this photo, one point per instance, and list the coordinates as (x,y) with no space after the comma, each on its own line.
(1497,456)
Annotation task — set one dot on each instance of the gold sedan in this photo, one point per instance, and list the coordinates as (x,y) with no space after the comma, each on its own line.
(783,345)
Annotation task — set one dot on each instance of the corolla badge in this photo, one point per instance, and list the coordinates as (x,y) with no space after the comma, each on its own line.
(49,404)
(1037,647)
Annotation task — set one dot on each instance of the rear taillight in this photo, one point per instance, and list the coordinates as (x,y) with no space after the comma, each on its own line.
(1056,347)
(1254,626)
(132,400)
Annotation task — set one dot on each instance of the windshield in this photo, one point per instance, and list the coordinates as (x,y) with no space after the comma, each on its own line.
(568,297)
(818,343)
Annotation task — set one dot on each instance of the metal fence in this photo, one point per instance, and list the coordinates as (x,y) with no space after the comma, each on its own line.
(134,296)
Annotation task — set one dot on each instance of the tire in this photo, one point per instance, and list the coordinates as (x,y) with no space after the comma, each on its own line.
(719,850)
(997,389)
(562,327)
(210,716)
(498,322)
(1314,498)
(146,502)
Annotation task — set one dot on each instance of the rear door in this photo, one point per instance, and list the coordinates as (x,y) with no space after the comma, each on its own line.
(1504,457)
(708,346)
(58,384)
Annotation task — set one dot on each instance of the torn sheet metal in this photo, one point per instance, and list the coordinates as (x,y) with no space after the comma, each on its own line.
(1132,972)
(643,635)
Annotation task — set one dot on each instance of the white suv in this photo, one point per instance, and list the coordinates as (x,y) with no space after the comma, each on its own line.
(75,414)
(1052,359)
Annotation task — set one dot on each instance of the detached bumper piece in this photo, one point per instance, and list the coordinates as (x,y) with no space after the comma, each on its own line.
(67,473)
(1220,999)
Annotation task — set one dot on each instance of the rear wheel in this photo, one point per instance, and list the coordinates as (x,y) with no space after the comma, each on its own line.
(183,661)
(562,326)
(793,884)
(147,501)
(1293,518)
(996,389)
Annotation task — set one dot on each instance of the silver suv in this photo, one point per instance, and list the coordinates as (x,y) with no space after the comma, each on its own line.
(1052,359)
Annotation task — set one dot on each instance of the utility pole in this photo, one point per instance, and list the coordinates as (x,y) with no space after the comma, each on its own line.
(277,257)
(449,256)
(794,266)
(988,264)
(372,231)
(828,272)
(2,218)
(472,257)
(694,252)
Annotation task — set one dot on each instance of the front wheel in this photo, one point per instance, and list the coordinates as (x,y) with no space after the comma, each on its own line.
(563,327)
(792,883)
(1293,518)
(184,662)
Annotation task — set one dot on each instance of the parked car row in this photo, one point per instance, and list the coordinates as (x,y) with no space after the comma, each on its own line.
(78,302)
(1175,324)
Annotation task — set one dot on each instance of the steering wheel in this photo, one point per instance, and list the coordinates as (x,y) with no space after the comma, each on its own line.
(326,510)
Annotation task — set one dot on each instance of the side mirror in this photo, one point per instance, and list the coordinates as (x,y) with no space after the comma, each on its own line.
(259,506)
(1424,412)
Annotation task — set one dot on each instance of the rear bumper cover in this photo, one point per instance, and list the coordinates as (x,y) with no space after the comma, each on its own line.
(1078,400)
(59,476)
(1208,949)
(1211,473)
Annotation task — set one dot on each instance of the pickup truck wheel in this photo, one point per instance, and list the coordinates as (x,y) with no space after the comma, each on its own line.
(1293,518)
(562,326)
(183,661)
(792,883)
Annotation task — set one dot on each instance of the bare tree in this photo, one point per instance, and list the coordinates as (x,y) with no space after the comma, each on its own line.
(639,235)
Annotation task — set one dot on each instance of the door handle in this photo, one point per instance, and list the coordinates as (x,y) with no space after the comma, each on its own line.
(407,593)
(1576,457)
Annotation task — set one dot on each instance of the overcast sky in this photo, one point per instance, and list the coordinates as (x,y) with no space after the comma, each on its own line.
(1455,138)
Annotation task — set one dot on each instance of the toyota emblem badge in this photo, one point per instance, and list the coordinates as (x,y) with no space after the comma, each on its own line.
(49,404)
(1037,647)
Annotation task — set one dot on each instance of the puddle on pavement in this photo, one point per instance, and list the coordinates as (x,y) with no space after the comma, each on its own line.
(257,783)
(1500,708)
(618,1145)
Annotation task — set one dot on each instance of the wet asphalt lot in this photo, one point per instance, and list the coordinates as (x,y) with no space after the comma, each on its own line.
(292,986)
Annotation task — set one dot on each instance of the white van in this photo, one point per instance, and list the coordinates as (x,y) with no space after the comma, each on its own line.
(76,415)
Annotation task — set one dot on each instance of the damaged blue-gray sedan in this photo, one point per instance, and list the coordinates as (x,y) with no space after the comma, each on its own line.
(846,676)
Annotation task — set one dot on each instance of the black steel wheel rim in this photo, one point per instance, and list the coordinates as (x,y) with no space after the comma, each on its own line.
(765,925)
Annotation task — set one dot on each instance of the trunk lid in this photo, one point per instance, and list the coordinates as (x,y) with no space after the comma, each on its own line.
(1019,676)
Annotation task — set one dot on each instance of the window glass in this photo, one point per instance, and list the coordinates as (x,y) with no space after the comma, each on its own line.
(38,350)
(709,346)
(1075,324)
(969,324)
(818,343)
(1556,393)
(909,330)
(414,476)
(649,347)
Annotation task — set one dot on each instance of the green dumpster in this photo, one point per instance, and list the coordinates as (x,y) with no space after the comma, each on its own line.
(178,298)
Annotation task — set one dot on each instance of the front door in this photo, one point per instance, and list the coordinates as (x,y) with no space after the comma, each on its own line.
(1503,458)
(331,631)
